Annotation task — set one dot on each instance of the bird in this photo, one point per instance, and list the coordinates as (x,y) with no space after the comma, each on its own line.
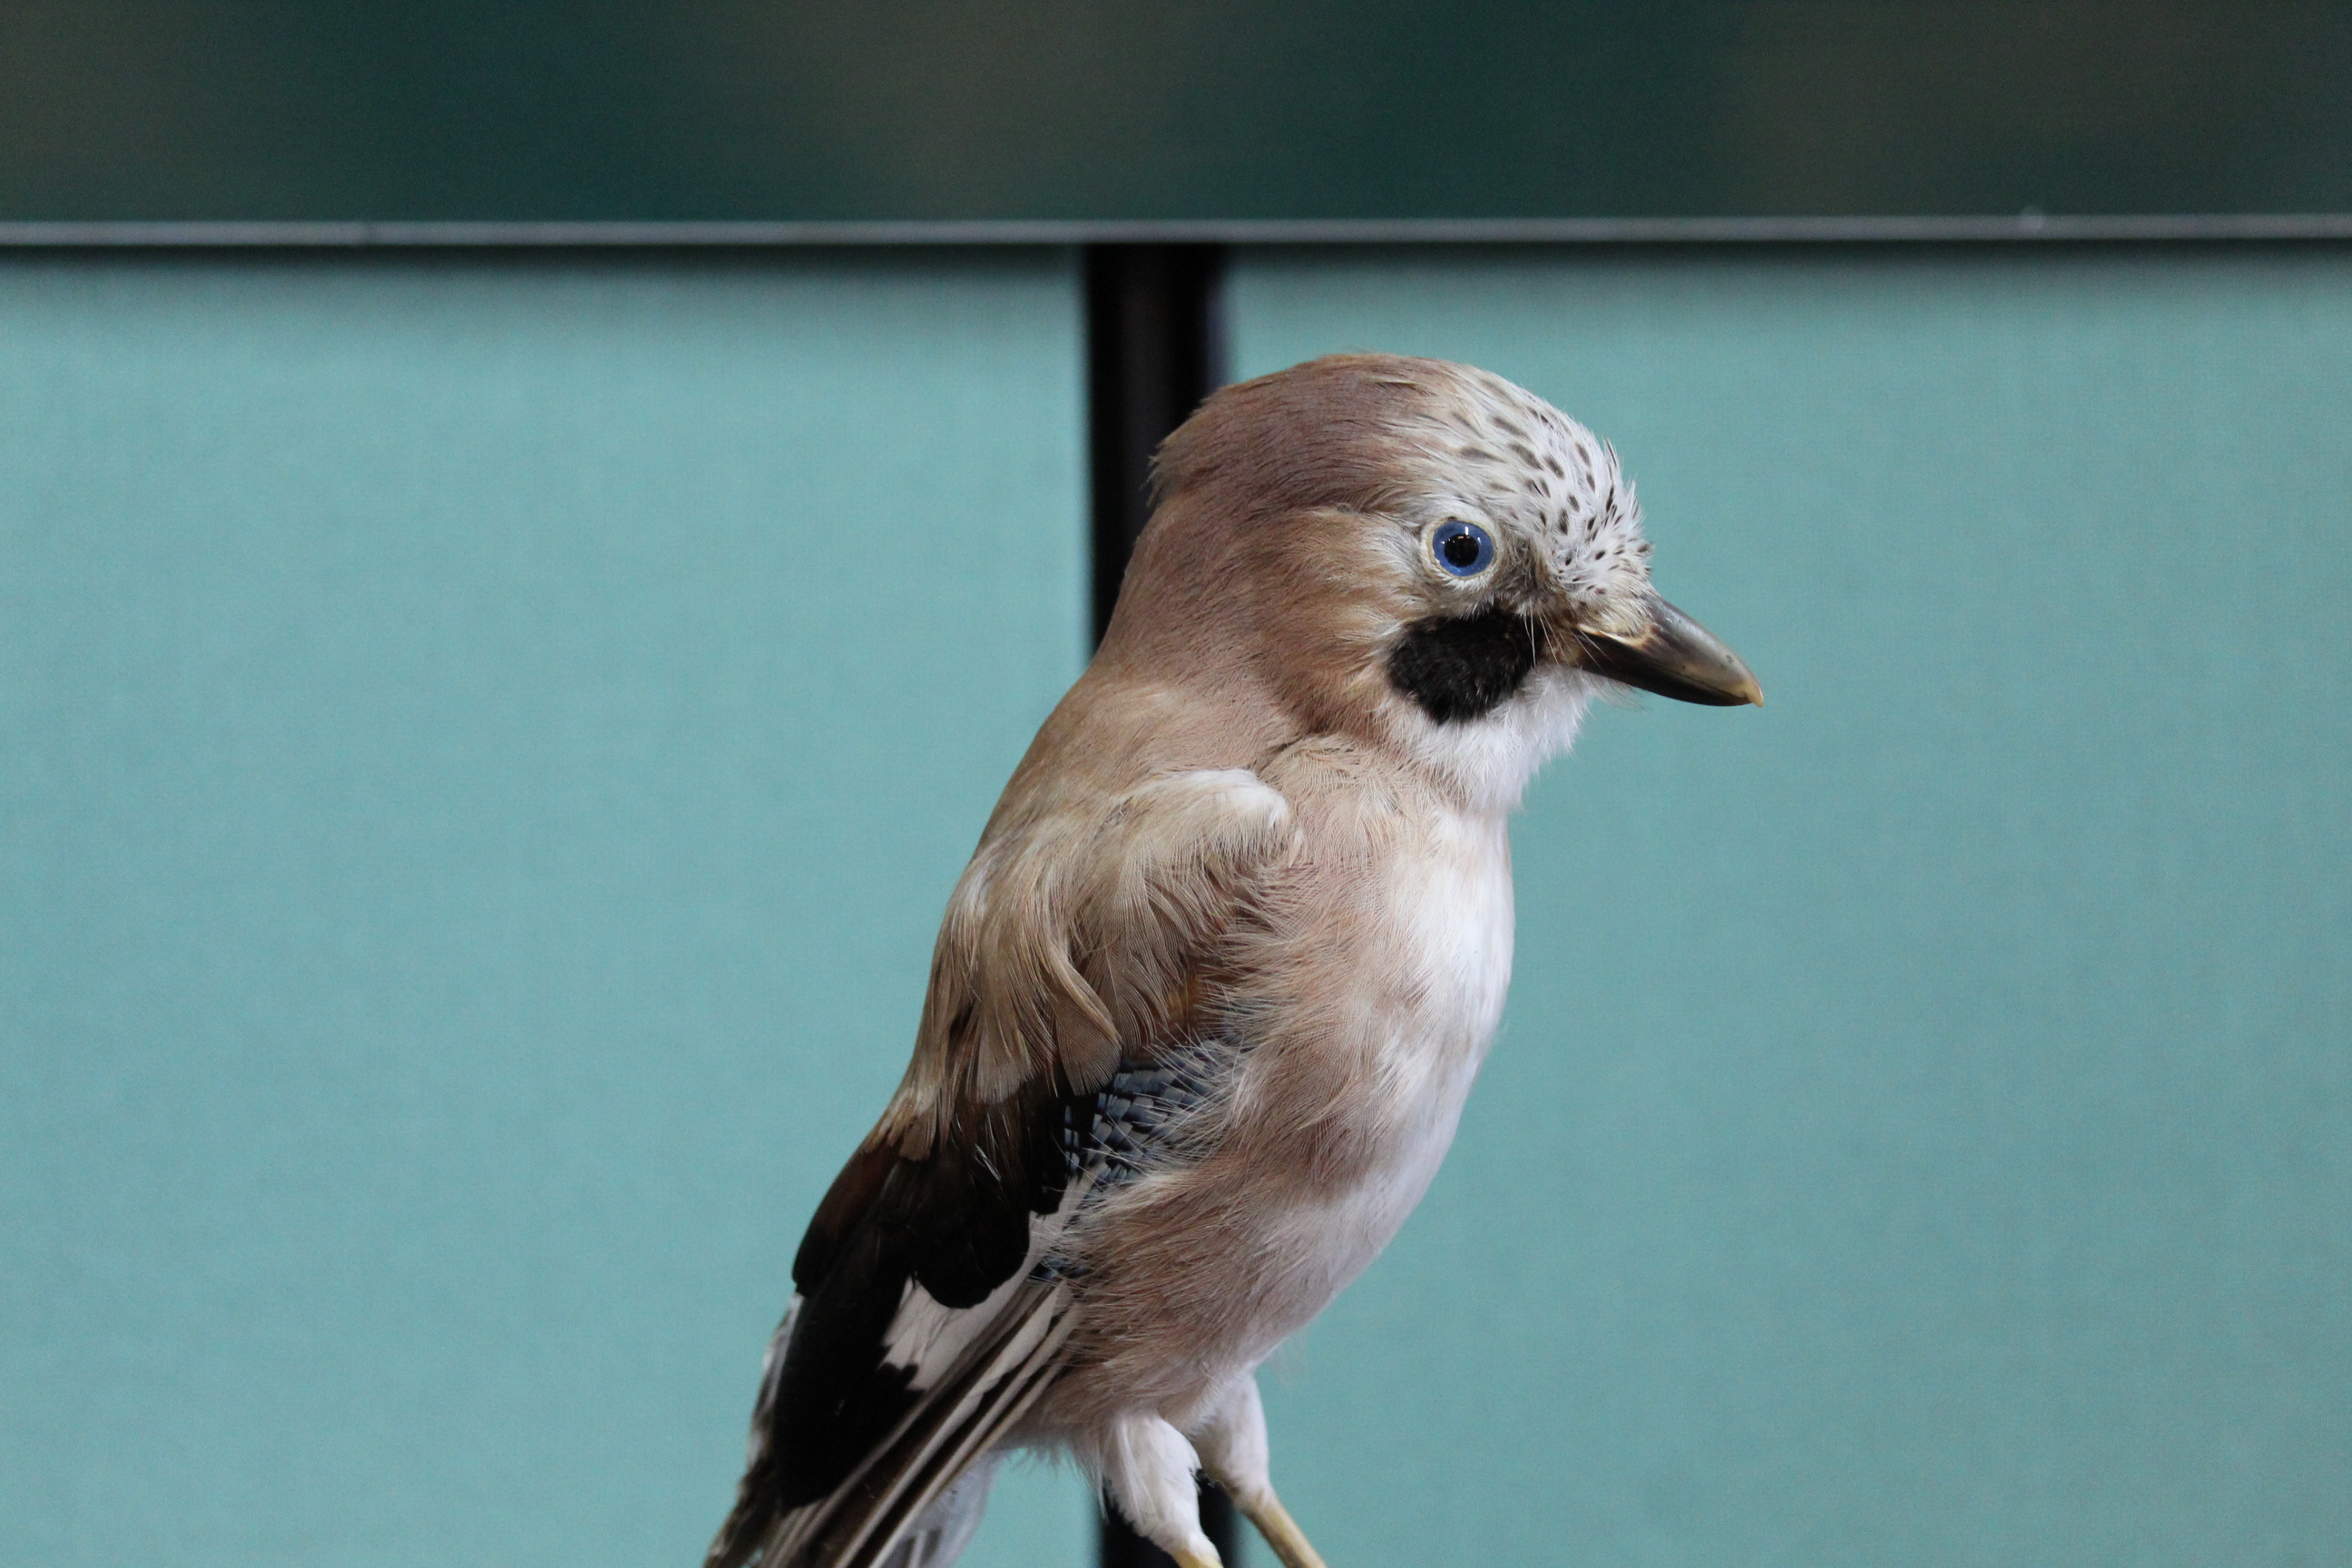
(1207,1001)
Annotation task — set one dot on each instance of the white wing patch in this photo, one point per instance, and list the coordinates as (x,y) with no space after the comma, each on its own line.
(930,1340)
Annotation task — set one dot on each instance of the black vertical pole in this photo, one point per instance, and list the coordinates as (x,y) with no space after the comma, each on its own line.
(1155,347)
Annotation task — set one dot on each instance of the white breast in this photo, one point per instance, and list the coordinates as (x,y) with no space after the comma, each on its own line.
(1441,955)
(1451,911)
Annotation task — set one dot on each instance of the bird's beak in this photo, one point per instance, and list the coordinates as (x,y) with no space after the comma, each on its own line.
(1672,656)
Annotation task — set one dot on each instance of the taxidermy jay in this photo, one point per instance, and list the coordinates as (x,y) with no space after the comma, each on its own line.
(1207,1003)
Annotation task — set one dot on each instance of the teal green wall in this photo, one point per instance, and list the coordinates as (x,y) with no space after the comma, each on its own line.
(1922,1130)
(483,746)
(482,749)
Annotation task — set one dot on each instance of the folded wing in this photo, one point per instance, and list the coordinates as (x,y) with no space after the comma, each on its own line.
(1077,955)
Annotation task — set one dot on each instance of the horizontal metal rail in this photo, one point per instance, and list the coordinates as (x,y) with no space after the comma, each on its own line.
(2024,226)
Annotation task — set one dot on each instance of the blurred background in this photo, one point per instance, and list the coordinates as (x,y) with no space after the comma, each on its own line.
(530,537)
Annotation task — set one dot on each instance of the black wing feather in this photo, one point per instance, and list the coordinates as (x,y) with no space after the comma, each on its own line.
(834,1414)
(955,1222)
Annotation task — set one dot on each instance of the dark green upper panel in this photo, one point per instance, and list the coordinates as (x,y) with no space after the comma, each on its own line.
(848,110)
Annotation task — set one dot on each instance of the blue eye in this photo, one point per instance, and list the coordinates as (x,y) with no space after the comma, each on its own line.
(1464,549)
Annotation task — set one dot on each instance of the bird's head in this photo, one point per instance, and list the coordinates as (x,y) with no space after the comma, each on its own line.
(1415,552)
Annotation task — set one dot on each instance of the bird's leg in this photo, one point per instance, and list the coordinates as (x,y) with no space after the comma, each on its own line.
(1281,1531)
(1234,1451)
(1147,1468)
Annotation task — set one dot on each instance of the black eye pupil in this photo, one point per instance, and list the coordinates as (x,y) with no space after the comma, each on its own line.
(1462,550)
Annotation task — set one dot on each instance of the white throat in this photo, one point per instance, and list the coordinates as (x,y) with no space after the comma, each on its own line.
(1491,759)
